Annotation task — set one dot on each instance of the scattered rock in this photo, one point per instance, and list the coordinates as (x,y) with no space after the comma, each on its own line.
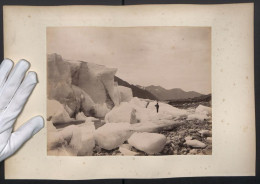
(168,141)
(205,133)
(209,139)
(188,138)
(192,131)
(195,144)
(193,151)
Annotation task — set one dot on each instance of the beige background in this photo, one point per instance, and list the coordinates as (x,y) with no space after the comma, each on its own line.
(232,90)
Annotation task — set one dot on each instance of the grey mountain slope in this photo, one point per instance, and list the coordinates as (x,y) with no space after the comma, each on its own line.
(171,94)
(138,91)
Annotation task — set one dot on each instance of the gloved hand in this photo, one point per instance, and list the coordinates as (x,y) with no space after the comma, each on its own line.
(15,88)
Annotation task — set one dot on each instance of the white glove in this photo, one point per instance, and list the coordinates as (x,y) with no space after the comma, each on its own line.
(15,88)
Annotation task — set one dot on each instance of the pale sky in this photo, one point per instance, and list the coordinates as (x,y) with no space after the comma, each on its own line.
(172,57)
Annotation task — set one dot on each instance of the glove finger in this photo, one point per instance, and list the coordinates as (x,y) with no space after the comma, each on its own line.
(4,137)
(16,105)
(13,82)
(5,69)
(19,137)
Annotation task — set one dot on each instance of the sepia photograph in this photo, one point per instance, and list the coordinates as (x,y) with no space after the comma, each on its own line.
(129,91)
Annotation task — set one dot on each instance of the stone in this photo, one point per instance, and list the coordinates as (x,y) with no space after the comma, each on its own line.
(205,133)
(168,141)
(193,152)
(192,131)
(188,138)
(125,149)
(204,110)
(112,135)
(195,143)
(155,126)
(81,116)
(122,113)
(209,139)
(150,143)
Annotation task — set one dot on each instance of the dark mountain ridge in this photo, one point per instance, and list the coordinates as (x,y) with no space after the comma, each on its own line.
(137,90)
(171,94)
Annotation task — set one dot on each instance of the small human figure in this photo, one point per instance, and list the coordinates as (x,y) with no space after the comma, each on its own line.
(157,107)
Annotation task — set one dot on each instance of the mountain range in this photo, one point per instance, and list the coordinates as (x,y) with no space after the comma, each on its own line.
(157,92)
(171,94)
(137,90)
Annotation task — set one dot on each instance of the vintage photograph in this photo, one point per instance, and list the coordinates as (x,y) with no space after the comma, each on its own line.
(129,91)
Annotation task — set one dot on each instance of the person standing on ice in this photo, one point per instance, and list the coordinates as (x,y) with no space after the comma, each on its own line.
(157,107)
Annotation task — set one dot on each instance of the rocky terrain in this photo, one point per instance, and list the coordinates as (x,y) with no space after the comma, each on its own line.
(90,114)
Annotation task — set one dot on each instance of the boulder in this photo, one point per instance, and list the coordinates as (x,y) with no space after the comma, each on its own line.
(137,102)
(203,110)
(81,116)
(58,70)
(72,140)
(84,141)
(112,135)
(209,139)
(122,113)
(60,88)
(85,103)
(57,113)
(197,116)
(125,150)
(97,81)
(205,133)
(125,93)
(188,138)
(195,143)
(150,143)
(155,126)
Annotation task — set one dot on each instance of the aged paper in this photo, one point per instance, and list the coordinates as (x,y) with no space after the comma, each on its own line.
(233,119)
